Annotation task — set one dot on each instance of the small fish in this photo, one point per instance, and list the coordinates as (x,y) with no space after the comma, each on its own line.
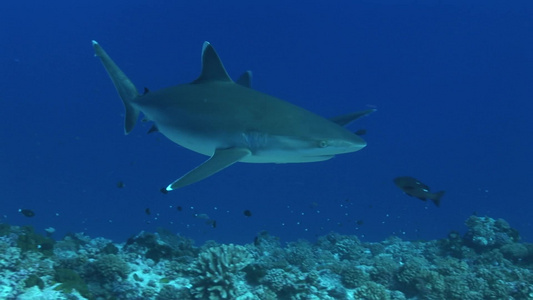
(247,213)
(27,212)
(212,223)
(147,211)
(414,188)
(360,132)
(120,184)
(202,216)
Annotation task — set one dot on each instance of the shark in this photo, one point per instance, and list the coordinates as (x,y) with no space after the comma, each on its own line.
(231,122)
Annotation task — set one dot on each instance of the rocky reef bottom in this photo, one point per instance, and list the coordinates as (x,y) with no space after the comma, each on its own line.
(488,262)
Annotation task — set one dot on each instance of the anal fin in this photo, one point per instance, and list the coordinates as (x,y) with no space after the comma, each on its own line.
(221,159)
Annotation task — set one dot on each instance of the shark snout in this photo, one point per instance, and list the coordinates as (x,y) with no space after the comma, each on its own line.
(347,145)
(343,143)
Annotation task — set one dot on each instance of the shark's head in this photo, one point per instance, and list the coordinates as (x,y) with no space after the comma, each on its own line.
(291,149)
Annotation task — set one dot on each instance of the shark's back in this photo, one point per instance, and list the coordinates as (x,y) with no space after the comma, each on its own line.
(226,106)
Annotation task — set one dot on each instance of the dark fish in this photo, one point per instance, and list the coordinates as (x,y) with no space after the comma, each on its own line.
(27,212)
(147,211)
(414,188)
(120,184)
(212,223)
(247,213)
(360,132)
(179,208)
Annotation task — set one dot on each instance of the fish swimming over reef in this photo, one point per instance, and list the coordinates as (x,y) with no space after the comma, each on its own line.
(414,188)
(231,122)
(27,212)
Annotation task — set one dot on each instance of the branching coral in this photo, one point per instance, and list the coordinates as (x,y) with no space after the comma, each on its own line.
(217,269)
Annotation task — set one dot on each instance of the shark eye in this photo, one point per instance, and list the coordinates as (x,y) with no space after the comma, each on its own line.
(322,144)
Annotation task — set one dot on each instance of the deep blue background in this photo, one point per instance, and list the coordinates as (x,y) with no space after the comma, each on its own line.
(452,82)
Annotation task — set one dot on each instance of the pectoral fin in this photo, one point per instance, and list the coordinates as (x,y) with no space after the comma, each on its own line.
(221,159)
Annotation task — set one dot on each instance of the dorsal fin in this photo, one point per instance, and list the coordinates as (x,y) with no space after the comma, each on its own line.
(212,67)
(245,79)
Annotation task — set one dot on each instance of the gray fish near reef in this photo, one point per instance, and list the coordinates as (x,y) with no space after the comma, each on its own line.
(414,188)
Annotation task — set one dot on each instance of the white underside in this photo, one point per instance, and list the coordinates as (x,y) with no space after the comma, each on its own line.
(265,155)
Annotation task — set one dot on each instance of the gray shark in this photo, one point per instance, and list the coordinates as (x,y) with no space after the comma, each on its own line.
(230,122)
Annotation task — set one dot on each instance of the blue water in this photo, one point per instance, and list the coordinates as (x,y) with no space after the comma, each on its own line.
(452,82)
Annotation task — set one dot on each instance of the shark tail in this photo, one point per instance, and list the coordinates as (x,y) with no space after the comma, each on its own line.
(124,86)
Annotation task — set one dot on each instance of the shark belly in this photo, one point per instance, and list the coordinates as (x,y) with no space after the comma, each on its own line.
(197,143)
(263,147)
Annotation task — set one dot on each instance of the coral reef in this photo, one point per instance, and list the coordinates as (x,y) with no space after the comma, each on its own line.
(486,233)
(488,262)
(217,272)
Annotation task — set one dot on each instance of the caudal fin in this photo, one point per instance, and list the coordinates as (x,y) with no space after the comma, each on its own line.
(436,198)
(123,84)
